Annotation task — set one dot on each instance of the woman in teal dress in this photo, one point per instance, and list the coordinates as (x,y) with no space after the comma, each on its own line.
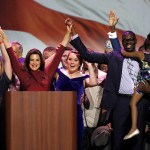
(72,79)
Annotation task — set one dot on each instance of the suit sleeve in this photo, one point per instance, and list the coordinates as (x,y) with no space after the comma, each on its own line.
(115,44)
(92,57)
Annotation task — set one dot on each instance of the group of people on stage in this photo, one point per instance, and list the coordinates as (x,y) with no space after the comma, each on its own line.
(105,97)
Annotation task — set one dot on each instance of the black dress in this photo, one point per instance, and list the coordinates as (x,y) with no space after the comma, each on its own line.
(4,84)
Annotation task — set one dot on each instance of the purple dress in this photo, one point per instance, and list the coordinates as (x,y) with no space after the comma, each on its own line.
(64,83)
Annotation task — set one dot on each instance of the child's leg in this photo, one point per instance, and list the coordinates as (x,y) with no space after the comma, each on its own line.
(133,104)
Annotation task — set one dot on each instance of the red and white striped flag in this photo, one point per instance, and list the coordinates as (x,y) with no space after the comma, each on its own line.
(40,23)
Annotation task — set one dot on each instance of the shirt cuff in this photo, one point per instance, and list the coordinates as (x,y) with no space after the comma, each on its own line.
(112,35)
(74,37)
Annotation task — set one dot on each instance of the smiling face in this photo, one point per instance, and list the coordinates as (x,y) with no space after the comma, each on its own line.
(129,41)
(73,63)
(35,62)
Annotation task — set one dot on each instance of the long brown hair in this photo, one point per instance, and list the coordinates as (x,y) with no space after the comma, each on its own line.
(27,59)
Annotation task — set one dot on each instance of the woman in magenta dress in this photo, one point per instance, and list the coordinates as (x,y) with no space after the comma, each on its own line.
(72,79)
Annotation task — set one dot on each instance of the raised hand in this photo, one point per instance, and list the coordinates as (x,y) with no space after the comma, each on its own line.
(113,20)
(68,34)
(4,38)
(69,22)
(2,34)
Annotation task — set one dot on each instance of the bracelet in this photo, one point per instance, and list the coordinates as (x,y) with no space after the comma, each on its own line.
(1,42)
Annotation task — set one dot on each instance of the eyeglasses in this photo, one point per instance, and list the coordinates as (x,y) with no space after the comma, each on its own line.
(129,40)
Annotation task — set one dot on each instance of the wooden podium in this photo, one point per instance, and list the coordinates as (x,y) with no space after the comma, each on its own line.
(41,120)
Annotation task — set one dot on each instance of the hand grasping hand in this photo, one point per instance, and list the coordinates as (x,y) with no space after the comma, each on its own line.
(69,22)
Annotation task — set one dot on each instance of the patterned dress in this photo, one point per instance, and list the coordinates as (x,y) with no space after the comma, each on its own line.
(144,73)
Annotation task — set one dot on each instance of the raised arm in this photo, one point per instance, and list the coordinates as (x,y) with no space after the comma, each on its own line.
(52,65)
(92,80)
(81,48)
(7,64)
(14,61)
(113,20)
(49,60)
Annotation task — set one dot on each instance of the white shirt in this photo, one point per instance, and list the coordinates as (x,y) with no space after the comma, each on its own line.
(127,85)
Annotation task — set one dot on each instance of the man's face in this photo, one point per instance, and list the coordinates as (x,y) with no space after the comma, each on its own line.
(48,54)
(129,42)
(64,59)
(16,50)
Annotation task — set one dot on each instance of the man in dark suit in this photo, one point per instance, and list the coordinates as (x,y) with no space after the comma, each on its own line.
(118,89)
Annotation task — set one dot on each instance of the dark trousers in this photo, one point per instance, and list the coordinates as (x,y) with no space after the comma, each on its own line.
(86,144)
(122,124)
(2,124)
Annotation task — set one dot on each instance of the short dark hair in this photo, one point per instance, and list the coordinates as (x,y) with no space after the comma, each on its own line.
(49,49)
(27,59)
(20,46)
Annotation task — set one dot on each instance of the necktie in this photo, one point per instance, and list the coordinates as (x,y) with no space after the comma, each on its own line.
(131,71)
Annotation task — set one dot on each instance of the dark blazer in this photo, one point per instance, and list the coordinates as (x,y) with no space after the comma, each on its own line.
(114,60)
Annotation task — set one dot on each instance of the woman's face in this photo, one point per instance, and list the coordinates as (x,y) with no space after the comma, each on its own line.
(73,63)
(35,62)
